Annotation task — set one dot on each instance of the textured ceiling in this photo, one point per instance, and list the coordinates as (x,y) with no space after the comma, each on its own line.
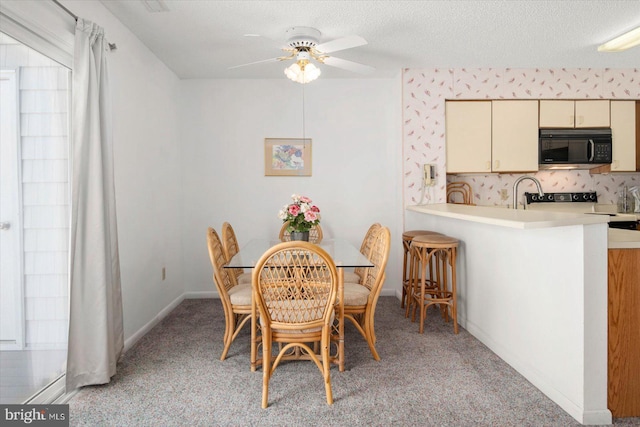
(202,39)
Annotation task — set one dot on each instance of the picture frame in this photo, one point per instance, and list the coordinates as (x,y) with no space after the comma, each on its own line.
(287,157)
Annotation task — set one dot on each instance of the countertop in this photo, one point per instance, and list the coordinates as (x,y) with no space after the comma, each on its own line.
(529,219)
(513,218)
(624,239)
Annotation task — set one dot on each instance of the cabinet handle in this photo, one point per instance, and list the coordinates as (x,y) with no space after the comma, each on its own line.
(572,120)
(488,165)
(497,164)
(615,164)
(580,120)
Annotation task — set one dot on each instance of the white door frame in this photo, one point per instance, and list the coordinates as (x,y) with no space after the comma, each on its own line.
(12,265)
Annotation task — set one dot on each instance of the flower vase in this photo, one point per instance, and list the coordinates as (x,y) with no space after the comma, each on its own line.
(300,235)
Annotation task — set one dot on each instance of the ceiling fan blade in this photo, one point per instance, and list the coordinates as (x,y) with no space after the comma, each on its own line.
(256,62)
(348,65)
(340,44)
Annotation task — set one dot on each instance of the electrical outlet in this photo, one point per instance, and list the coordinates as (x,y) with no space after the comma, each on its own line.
(164,273)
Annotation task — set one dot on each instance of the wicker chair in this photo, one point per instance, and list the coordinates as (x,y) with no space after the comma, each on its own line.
(294,288)
(360,299)
(315,234)
(230,247)
(462,188)
(365,249)
(235,298)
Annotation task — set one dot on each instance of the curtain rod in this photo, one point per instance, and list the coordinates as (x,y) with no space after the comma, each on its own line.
(112,46)
(65,9)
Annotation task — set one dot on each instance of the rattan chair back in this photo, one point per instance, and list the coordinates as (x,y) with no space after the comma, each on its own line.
(367,245)
(230,247)
(461,188)
(295,285)
(236,315)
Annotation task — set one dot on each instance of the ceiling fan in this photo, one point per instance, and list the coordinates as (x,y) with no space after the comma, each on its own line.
(303,46)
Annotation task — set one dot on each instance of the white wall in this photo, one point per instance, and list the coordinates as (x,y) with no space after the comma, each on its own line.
(147,171)
(356,170)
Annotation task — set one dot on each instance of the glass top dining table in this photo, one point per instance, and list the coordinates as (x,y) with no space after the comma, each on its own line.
(343,253)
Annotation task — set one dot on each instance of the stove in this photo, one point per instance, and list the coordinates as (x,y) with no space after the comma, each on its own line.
(590,198)
(586,203)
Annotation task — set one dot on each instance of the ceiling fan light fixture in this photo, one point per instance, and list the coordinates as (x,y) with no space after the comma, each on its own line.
(623,42)
(302,72)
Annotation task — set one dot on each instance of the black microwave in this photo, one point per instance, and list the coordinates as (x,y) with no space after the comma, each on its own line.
(574,147)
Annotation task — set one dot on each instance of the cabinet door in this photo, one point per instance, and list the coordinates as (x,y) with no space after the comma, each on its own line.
(514,144)
(592,113)
(557,114)
(468,136)
(623,133)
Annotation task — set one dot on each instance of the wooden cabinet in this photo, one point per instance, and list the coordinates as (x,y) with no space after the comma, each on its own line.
(514,143)
(624,332)
(574,114)
(625,140)
(468,136)
(492,136)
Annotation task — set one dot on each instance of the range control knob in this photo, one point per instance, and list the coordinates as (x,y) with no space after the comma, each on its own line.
(574,196)
(592,196)
(585,196)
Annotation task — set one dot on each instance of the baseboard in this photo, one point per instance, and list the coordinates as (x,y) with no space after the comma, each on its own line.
(201,294)
(133,339)
(389,293)
(603,417)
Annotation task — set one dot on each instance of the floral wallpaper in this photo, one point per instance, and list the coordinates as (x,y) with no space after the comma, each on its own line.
(424,95)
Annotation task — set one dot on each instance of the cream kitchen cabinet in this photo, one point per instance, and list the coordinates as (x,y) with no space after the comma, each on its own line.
(491,136)
(574,114)
(514,142)
(468,136)
(623,133)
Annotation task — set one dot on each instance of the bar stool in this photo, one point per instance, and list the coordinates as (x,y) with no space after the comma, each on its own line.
(430,250)
(407,237)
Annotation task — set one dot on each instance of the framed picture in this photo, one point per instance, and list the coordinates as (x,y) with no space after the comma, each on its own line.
(287,157)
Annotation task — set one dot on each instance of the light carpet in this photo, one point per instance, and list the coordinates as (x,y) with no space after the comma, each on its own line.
(173,377)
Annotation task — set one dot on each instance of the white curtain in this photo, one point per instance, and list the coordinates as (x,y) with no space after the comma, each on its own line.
(95,324)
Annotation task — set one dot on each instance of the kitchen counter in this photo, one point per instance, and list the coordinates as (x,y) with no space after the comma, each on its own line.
(529,219)
(514,218)
(532,287)
(623,239)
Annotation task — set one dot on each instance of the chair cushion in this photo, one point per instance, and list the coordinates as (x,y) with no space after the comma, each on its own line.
(244,278)
(240,294)
(355,294)
(351,277)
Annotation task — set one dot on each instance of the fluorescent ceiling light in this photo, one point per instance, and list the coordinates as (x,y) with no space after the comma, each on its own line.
(624,42)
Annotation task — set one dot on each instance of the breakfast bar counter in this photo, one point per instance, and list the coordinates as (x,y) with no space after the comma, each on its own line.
(529,219)
(532,286)
(512,218)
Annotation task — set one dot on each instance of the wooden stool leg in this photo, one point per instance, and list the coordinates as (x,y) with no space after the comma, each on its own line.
(423,290)
(410,283)
(454,299)
(405,279)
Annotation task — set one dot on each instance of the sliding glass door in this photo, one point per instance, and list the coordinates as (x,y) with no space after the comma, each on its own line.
(34,221)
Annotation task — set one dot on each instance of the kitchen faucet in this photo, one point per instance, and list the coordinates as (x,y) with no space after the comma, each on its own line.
(515,189)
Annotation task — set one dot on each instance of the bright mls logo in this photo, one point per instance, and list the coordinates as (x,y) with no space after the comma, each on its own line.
(36,415)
